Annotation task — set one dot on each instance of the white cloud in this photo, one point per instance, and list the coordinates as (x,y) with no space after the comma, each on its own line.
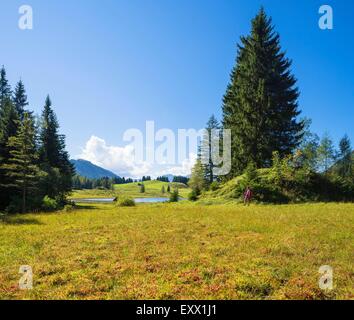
(184,169)
(117,159)
(121,160)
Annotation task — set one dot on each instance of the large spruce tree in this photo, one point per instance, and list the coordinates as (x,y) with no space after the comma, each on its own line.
(21,166)
(210,144)
(5,89)
(260,105)
(53,157)
(345,162)
(20,99)
(9,121)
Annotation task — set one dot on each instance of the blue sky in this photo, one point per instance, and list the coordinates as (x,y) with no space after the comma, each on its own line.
(111,65)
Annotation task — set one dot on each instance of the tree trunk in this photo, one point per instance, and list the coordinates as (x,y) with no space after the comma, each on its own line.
(24,200)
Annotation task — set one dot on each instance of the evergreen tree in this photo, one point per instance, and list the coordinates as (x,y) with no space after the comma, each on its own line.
(197,181)
(53,157)
(326,153)
(20,99)
(8,128)
(260,105)
(9,122)
(174,197)
(307,155)
(5,89)
(21,167)
(345,163)
(209,145)
(49,137)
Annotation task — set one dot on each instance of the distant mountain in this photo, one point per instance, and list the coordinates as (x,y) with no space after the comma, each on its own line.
(89,170)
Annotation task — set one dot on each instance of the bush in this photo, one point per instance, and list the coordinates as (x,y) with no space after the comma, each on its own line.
(214,186)
(174,196)
(193,196)
(15,205)
(70,206)
(126,202)
(142,188)
(49,204)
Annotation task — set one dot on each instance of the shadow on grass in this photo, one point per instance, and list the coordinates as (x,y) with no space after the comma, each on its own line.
(85,207)
(16,221)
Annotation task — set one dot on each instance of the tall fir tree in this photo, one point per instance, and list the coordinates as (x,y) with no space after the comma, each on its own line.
(260,105)
(210,143)
(22,167)
(20,99)
(53,157)
(345,163)
(5,89)
(307,156)
(49,136)
(326,153)
(197,180)
(9,122)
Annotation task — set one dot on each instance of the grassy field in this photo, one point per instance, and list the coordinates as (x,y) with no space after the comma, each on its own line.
(180,251)
(152,189)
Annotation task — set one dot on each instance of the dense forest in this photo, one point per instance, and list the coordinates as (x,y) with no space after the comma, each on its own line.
(35,171)
(273,149)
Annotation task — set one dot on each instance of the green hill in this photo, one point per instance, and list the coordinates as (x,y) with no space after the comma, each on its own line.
(153,189)
(291,186)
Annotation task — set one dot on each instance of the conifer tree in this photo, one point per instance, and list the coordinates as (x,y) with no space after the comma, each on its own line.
(8,128)
(260,105)
(5,89)
(53,157)
(197,181)
(8,123)
(209,145)
(21,167)
(345,163)
(20,99)
(326,153)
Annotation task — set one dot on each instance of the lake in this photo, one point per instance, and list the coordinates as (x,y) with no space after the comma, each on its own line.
(150,200)
(109,200)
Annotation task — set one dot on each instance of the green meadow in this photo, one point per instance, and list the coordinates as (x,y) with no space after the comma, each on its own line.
(132,190)
(180,251)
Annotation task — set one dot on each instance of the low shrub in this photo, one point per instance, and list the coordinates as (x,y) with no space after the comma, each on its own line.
(69,207)
(49,204)
(193,196)
(126,202)
(174,196)
(214,186)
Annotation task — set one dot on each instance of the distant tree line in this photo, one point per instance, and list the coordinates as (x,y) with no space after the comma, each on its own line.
(34,164)
(163,179)
(180,179)
(80,183)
